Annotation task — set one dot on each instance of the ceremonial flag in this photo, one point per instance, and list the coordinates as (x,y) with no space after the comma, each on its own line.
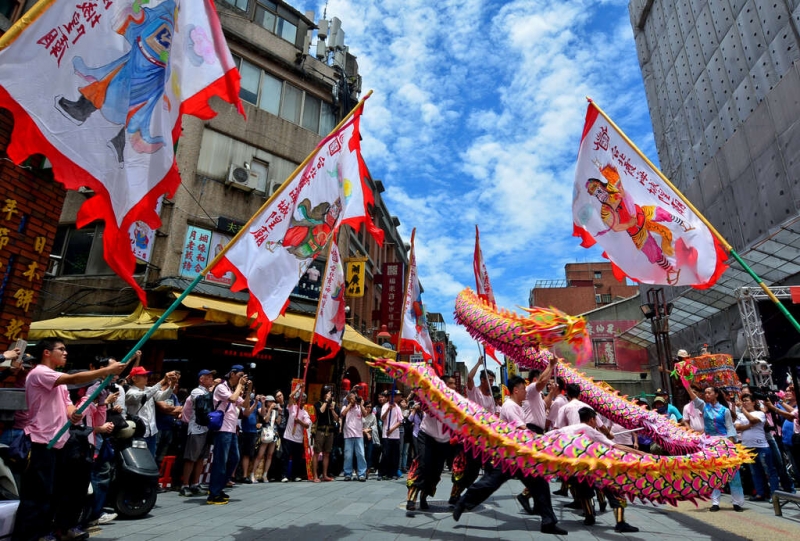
(331,318)
(99,87)
(482,286)
(275,248)
(647,229)
(414,335)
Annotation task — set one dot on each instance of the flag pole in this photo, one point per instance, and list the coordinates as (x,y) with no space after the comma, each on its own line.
(27,19)
(725,244)
(3,43)
(282,187)
(128,356)
(316,316)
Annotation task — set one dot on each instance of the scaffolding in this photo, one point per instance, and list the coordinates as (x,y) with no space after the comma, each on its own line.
(757,366)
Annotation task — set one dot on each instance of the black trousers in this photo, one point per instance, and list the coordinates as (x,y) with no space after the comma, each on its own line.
(296,452)
(390,457)
(431,458)
(52,495)
(493,478)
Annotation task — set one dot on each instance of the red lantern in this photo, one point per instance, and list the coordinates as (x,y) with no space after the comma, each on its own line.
(346,385)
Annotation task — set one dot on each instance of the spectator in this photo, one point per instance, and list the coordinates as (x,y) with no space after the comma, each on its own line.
(299,421)
(751,424)
(168,413)
(248,437)
(226,452)
(692,415)
(354,413)
(100,475)
(50,496)
(196,437)
(415,417)
(671,410)
(372,438)
(327,417)
(271,415)
(141,401)
(392,418)
(401,464)
(284,418)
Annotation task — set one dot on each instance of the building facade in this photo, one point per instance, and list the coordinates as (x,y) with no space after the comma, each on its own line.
(229,167)
(723,86)
(587,286)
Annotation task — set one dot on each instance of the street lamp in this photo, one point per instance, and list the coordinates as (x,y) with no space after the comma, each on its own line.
(658,312)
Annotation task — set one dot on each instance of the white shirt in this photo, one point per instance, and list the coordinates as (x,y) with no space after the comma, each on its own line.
(568,414)
(512,413)
(591,433)
(535,400)
(434,428)
(391,420)
(754,436)
(484,401)
(552,415)
(146,411)
(193,427)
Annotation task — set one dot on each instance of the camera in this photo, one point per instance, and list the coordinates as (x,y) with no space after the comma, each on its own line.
(112,388)
(358,400)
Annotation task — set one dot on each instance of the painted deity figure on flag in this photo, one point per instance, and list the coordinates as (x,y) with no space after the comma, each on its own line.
(308,235)
(621,214)
(140,73)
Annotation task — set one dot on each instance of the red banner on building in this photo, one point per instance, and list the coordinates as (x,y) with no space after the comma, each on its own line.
(392,296)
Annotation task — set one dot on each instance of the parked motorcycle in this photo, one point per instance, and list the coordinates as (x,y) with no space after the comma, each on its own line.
(134,474)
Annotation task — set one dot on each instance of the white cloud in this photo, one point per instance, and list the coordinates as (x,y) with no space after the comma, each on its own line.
(476,118)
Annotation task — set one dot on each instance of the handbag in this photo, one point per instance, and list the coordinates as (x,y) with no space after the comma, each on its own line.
(268,433)
(216,417)
(78,446)
(19,451)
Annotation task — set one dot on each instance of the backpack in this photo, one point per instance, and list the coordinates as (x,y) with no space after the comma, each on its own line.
(203,405)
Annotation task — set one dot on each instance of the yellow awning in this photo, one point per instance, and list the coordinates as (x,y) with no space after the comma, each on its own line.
(288,325)
(131,327)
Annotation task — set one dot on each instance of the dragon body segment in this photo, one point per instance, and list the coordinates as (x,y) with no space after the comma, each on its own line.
(698,463)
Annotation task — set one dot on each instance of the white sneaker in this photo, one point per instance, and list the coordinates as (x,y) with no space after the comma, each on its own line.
(105,518)
(284,480)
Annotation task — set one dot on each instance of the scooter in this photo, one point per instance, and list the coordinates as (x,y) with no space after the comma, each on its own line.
(134,474)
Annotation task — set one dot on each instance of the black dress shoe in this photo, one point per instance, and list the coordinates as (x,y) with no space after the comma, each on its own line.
(459,509)
(714,508)
(589,520)
(560,492)
(423,502)
(554,529)
(624,527)
(526,505)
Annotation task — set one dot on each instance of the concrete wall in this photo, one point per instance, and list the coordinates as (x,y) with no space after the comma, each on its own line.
(723,88)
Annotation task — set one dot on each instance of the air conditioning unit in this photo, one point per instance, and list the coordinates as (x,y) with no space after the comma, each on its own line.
(242,178)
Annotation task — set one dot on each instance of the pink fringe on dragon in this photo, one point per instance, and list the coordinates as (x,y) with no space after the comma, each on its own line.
(698,464)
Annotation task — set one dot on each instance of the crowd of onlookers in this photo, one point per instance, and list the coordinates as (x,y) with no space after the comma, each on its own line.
(260,438)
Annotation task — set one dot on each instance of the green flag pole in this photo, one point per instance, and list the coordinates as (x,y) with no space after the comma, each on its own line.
(130,354)
(725,244)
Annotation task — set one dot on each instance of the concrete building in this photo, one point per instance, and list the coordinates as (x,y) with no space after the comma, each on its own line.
(723,87)
(587,286)
(229,167)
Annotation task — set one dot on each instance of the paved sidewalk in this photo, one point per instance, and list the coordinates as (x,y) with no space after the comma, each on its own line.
(375,511)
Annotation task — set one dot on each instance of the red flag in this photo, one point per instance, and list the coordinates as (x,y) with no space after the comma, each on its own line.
(414,334)
(280,242)
(331,318)
(99,89)
(482,286)
(644,225)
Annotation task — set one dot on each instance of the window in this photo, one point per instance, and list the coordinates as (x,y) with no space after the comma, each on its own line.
(291,104)
(606,298)
(78,252)
(239,4)
(598,275)
(11,9)
(598,298)
(276,20)
(284,100)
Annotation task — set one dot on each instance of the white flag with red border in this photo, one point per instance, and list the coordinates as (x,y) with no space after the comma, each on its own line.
(647,230)
(271,254)
(99,87)
(331,317)
(414,334)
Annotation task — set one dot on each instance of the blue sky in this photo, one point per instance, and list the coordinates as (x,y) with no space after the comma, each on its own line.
(476,118)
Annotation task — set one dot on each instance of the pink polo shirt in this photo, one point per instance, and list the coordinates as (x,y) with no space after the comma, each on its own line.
(538,415)
(294,431)
(512,413)
(47,406)
(353,424)
(222,396)
(486,402)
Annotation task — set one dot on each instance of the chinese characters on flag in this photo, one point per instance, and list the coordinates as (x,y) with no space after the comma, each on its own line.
(99,88)
(643,225)
(331,318)
(414,336)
